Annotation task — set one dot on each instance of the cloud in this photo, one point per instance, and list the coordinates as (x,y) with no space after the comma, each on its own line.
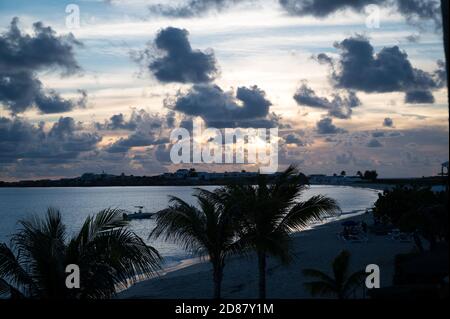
(296,139)
(118,122)
(395,134)
(374,143)
(23,55)
(170,119)
(441,74)
(66,140)
(162,153)
(339,107)
(147,130)
(326,126)
(137,118)
(249,107)
(413,38)
(140,138)
(378,134)
(388,122)
(52,102)
(414,11)
(323,8)
(192,8)
(417,10)
(176,61)
(323,58)
(359,68)
(419,97)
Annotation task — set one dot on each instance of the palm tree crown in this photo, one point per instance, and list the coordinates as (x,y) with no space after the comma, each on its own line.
(203,230)
(108,254)
(269,212)
(341,284)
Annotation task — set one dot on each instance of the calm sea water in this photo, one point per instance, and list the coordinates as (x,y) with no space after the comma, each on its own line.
(76,203)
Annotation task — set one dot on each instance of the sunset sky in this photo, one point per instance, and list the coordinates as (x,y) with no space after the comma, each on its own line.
(105,96)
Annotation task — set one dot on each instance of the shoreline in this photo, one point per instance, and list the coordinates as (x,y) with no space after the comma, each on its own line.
(187,262)
(313,248)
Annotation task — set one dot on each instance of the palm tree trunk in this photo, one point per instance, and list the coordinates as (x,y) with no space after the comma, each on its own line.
(217,277)
(262,274)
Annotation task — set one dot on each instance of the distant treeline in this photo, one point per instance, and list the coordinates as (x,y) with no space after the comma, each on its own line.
(421,181)
(93,180)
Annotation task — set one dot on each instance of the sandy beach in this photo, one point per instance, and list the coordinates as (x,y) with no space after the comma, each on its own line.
(313,248)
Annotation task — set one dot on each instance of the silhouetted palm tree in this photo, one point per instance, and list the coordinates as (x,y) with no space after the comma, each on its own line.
(205,230)
(108,254)
(269,212)
(340,284)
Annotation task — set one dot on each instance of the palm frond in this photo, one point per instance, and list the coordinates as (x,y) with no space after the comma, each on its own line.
(340,267)
(320,288)
(41,247)
(339,285)
(303,213)
(12,271)
(354,280)
(10,291)
(317,274)
(183,224)
(126,255)
(104,220)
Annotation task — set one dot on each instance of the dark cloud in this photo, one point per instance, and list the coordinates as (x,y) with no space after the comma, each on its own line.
(418,10)
(248,108)
(441,74)
(162,153)
(374,143)
(419,97)
(118,122)
(326,126)
(22,56)
(295,139)
(170,119)
(323,8)
(178,61)
(38,52)
(137,118)
(359,68)
(340,106)
(52,102)
(66,140)
(140,138)
(148,130)
(323,58)
(388,122)
(414,11)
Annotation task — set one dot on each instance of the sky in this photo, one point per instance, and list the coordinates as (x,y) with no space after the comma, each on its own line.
(347,91)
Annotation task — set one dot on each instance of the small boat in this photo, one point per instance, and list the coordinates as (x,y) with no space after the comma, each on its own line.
(138,215)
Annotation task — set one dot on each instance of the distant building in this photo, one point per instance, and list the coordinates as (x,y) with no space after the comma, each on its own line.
(334,180)
(192,175)
(181,174)
(444,166)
